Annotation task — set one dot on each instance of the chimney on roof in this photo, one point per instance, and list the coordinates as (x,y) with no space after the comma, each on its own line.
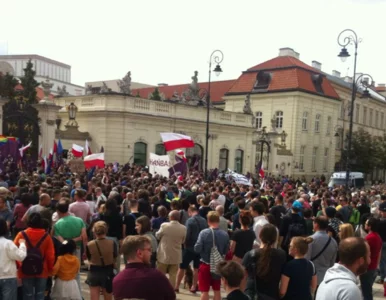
(162,84)
(288,52)
(317,65)
(348,79)
(336,73)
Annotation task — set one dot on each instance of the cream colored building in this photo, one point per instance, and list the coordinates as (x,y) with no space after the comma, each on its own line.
(297,108)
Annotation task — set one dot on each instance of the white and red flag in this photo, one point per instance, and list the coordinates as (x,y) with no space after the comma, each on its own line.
(87,148)
(41,151)
(77,150)
(174,141)
(181,154)
(94,160)
(261,171)
(24,149)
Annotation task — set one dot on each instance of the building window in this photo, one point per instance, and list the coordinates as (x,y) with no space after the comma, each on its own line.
(364,115)
(263,80)
(279,119)
(140,154)
(223,161)
(160,149)
(382,121)
(305,121)
(317,123)
(301,158)
(259,120)
(328,132)
(239,159)
(325,162)
(317,80)
(371,123)
(313,164)
(357,108)
(376,119)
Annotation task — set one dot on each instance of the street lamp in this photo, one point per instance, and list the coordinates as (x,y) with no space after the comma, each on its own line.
(216,57)
(350,37)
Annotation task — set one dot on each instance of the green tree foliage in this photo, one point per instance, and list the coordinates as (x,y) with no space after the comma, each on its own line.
(29,84)
(155,95)
(7,85)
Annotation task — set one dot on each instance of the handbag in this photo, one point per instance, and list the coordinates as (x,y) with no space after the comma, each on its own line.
(215,259)
(110,275)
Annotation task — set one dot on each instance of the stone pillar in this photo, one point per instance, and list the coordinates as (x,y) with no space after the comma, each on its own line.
(2,102)
(47,113)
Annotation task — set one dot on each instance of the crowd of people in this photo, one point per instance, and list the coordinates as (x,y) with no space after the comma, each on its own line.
(130,231)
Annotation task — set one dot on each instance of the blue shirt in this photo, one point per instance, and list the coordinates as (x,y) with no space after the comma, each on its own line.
(205,243)
(194,226)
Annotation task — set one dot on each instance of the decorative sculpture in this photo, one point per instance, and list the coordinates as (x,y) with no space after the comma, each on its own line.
(89,89)
(194,88)
(104,88)
(125,84)
(247,106)
(47,86)
(273,123)
(62,91)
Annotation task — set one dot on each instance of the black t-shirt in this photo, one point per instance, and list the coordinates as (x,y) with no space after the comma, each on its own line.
(316,205)
(269,285)
(299,286)
(237,295)
(278,211)
(287,221)
(382,229)
(129,221)
(114,223)
(244,241)
(203,211)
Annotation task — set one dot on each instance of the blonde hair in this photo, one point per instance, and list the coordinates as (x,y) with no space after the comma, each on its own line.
(301,244)
(346,231)
(213,217)
(100,228)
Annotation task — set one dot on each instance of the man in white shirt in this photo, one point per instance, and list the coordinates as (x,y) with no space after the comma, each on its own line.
(221,197)
(99,195)
(257,211)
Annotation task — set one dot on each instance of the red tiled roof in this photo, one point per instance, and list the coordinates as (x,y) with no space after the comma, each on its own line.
(380,88)
(287,73)
(39,92)
(217,89)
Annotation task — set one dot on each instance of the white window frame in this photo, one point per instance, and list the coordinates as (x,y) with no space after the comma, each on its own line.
(279,119)
(301,158)
(305,121)
(317,122)
(313,163)
(259,120)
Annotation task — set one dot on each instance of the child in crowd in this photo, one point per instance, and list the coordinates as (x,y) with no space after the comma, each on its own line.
(65,270)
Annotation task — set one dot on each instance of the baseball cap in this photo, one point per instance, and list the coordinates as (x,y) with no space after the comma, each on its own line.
(297,205)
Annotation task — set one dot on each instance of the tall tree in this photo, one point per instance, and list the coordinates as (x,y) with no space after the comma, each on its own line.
(29,83)
(155,95)
(7,85)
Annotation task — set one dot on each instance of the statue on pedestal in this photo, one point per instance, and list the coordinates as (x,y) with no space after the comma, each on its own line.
(62,91)
(89,90)
(104,88)
(125,84)
(47,86)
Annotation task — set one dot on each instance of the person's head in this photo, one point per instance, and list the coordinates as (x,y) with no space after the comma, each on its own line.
(3,203)
(320,224)
(297,206)
(270,218)
(382,209)
(268,235)
(299,246)
(67,247)
(330,212)
(279,200)
(192,211)
(35,221)
(245,218)
(44,200)
(162,211)
(213,219)
(133,204)
(257,209)
(79,194)
(142,225)
(98,191)
(354,253)
(205,201)
(372,224)
(56,194)
(174,215)
(25,199)
(77,184)
(232,274)
(345,231)
(220,210)
(137,248)
(307,213)
(3,228)
(100,229)
(62,206)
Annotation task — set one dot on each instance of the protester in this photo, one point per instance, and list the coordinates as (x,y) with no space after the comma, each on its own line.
(242,239)
(232,274)
(143,227)
(257,211)
(5,213)
(19,212)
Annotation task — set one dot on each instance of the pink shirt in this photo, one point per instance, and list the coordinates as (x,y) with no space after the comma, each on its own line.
(81,210)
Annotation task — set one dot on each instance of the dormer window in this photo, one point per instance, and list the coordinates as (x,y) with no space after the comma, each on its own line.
(317,80)
(263,80)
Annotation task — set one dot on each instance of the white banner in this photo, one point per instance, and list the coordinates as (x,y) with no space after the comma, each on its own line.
(159,164)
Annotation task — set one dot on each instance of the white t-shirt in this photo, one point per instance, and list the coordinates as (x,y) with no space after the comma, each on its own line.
(221,199)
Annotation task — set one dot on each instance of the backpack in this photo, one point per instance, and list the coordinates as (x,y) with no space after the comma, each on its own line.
(215,259)
(33,263)
(295,229)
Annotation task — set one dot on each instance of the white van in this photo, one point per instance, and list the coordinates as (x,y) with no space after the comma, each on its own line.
(357,179)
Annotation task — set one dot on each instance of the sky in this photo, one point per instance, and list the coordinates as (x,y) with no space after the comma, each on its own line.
(166,41)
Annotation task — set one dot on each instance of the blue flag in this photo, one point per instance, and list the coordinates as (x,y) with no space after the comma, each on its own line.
(60,148)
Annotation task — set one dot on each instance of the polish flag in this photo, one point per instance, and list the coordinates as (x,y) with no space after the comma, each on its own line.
(87,148)
(41,151)
(174,141)
(77,150)
(50,155)
(23,149)
(261,171)
(45,164)
(94,160)
(181,153)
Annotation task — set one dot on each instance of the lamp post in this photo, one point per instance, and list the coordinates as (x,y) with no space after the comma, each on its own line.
(216,57)
(350,37)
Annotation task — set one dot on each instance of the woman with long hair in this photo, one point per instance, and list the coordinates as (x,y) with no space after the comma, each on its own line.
(242,239)
(264,266)
(293,286)
(143,227)
(345,231)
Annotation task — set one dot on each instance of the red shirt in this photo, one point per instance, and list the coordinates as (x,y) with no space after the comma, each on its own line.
(375,243)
